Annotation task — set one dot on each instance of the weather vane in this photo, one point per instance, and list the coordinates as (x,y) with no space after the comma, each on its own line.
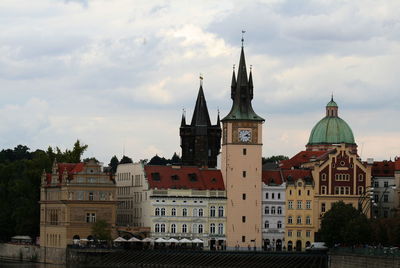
(243,31)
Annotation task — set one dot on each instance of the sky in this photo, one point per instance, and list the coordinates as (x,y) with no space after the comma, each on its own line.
(116,74)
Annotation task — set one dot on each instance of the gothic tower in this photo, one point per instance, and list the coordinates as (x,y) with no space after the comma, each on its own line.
(200,141)
(241,163)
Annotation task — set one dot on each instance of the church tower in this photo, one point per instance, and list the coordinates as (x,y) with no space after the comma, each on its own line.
(241,163)
(200,141)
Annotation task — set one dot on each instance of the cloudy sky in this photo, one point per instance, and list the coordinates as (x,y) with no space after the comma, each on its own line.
(116,73)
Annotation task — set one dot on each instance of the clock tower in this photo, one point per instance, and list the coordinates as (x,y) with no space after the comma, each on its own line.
(241,165)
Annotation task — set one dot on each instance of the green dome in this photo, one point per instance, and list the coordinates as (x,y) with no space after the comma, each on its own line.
(331,130)
(332,103)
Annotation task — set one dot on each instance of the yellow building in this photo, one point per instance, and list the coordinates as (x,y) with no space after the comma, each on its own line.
(300,226)
(73,197)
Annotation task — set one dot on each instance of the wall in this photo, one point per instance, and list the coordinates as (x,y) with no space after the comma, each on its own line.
(32,253)
(365,261)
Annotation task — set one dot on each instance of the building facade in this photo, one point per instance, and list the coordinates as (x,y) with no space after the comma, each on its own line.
(72,198)
(384,193)
(187,202)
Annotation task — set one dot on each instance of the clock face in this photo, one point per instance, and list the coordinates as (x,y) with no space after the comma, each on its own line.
(245,135)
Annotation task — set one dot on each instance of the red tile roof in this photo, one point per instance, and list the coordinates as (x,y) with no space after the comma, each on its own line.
(71,168)
(397,164)
(300,158)
(296,174)
(179,178)
(383,168)
(272,176)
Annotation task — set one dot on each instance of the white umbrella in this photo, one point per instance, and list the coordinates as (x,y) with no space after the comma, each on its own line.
(172,240)
(184,240)
(196,240)
(148,239)
(134,239)
(160,240)
(119,239)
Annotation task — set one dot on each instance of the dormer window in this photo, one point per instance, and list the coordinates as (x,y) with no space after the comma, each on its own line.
(156,176)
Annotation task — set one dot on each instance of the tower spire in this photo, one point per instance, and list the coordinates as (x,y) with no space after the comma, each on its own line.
(233,84)
(200,114)
(183,121)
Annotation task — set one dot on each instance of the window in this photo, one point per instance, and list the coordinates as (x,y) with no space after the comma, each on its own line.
(266,210)
(184,228)
(194,228)
(157,212)
(290,220)
(220,228)
(273,195)
(212,211)
(90,217)
(102,196)
(308,220)
(376,198)
(323,207)
(308,192)
(279,225)
(385,184)
(290,192)
(184,212)
(299,204)
(337,190)
(220,211)
(279,195)
(298,233)
(162,211)
(279,210)
(360,190)
(243,218)
(195,214)
(200,228)
(361,177)
(289,233)
(376,184)
(299,192)
(243,238)
(266,195)
(385,198)
(173,212)
(244,174)
(272,210)
(244,151)
(266,224)
(308,234)
(298,220)
(157,228)
(308,204)
(347,190)
(201,212)
(162,228)
(173,228)
(323,190)
(244,196)
(323,177)
(212,228)
(290,204)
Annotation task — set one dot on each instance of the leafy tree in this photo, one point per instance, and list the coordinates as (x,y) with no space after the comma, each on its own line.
(175,159)
(113,164)
(386,231)
(274,159)
(91,158)
(125,160)
(101,230)
(344,224)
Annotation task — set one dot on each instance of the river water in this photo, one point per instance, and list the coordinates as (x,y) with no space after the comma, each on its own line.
(5,264)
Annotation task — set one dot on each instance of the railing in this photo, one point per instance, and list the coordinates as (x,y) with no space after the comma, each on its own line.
(369,251)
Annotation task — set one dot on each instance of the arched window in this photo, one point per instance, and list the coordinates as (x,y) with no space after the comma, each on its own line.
(220,211)
(290,220)
(184,212)
(323,190)
(195,212)
(220,228)
(279,225)
(266,210)
(201,213)
(200,228)
(157,212)
(173,228)
(266,224)
(162,228)
(279,210)
(212,228)
(323,177)
(272,210)
(162,211)
(308,220)
(173,212)
(194,228)
(212,211)
(184,228)
(360,190)
(157,228)
(298,219)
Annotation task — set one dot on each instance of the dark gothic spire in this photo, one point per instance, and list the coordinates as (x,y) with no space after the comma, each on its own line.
(200,114)
(183,121)
(251,84)
(233,84)
(218,120)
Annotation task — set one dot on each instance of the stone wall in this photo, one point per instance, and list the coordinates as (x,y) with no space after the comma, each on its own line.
(32,253)
(364,261)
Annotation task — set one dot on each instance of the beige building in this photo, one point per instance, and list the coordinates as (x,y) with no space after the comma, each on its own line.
(300,226)
(73,197)
(241,164)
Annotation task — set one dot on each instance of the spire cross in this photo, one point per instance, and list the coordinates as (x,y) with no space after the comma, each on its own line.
(243,36)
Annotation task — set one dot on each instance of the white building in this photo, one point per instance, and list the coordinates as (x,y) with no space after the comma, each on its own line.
(273,206)
(384,193)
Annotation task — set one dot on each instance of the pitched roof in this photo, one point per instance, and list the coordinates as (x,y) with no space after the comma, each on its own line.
(184,177)
(70,168)
(295,174)
(300,158)
(397,164)
(383,169)
(272,176)
(200,114)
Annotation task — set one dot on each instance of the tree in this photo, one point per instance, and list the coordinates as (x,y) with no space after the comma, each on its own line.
(113,164)
(125,160)
(274,159)
(101,230)
(344,224)
(175,159)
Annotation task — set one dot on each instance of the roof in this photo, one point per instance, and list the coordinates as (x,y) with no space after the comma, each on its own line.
(397,164)
(331,130)
(272,177)
(70,168)
(332,103)
(292,175)
(300,158)
(184,177)
(200,114)
(383,169)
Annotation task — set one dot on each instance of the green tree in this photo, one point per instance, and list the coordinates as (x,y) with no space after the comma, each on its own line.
(274,159)
(113,164)
(101,230)
(126,160)
(344,224)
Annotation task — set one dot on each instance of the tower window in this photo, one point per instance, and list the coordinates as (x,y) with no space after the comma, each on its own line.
(243,218)
(244,174)
(244,151)
(243,238)
(244,196)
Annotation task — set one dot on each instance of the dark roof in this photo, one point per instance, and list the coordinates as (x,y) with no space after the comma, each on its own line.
(200,114)
(183,177)
(383,169)
(301,158)
(270,166)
